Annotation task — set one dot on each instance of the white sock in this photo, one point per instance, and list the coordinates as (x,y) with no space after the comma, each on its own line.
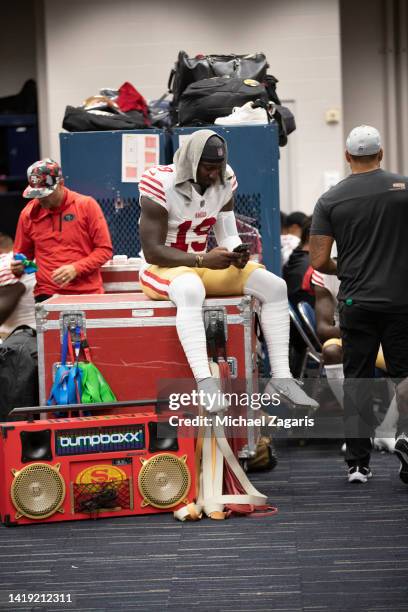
(275,328)
(271,291)
(188,293)
(335,380)
(388,427)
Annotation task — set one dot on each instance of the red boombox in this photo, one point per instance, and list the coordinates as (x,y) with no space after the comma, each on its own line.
(92,467)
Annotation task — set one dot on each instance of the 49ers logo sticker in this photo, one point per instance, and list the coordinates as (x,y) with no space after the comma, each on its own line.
(100,473)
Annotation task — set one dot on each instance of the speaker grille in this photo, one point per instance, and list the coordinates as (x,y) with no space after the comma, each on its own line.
(164,480)
(38,490)
(95,496)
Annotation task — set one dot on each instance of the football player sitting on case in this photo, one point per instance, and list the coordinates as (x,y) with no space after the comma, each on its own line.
(180,203)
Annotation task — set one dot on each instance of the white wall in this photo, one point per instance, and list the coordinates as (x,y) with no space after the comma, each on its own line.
(94,44)
(375,72)
(363,64)
(17,46)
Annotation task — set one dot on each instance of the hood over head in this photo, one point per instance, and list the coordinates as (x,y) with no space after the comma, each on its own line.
(188,156)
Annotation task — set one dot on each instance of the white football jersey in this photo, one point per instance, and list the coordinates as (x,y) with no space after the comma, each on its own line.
(189,221)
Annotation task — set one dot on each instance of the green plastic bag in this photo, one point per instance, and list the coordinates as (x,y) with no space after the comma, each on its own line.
(95,389)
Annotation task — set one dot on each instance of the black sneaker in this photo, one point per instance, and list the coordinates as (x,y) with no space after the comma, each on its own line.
(359,474)
(401,450)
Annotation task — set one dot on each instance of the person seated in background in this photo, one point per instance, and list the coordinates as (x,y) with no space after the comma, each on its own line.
(295,222)
(65,232)
(6,244)
(16,294)
(18,342)
(326,288)
(291,233)
(298,272)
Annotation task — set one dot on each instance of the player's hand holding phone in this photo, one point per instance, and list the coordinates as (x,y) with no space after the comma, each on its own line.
(243,251)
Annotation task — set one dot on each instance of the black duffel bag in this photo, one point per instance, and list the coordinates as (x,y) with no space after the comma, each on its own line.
(188,70)
(77,119)
(202,102)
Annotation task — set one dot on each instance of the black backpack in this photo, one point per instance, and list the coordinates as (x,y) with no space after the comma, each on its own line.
(18,371)
(202,102)
(188,70)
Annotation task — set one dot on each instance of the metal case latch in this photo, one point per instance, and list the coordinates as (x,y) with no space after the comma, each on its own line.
(71,321)
(216,331)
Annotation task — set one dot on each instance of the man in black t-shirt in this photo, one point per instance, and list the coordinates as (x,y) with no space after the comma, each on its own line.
(367,215)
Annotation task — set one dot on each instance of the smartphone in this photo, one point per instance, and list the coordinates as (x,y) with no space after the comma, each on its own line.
(241,248)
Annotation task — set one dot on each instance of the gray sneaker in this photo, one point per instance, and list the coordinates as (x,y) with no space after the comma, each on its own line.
(211,397)
(291,389)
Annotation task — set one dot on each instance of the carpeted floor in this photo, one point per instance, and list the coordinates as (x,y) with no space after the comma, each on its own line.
(333,547)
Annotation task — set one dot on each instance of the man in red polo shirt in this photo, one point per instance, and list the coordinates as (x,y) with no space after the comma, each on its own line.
(65,232)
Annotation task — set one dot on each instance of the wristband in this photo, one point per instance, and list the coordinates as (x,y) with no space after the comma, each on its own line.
(199,261)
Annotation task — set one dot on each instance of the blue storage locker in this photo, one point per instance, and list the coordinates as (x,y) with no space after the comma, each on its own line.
(18,144)
(253,153)
(92,164)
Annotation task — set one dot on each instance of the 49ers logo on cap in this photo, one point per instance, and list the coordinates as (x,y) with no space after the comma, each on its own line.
(35,180)
(43,177)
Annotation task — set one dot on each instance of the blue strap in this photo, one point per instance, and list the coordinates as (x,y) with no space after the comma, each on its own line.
(59,391)
(74,385)
(67,387)
(64,348)
(77,345)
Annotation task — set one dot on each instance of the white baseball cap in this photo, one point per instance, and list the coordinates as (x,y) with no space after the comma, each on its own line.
(363,140)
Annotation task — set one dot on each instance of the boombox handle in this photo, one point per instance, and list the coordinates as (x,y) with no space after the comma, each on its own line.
(91,407)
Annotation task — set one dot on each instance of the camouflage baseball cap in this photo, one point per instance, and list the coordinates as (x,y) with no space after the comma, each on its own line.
(43,177)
